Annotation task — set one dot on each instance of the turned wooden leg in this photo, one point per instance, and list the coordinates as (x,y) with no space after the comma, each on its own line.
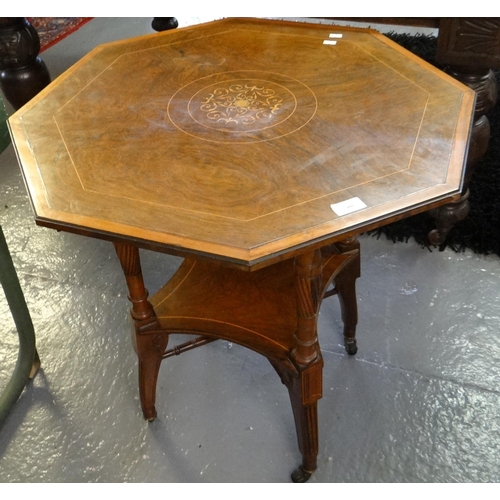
(345,284)
(22,73)
(150,345)
(306,389)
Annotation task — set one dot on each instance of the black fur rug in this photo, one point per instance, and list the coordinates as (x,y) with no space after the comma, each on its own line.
(480,231)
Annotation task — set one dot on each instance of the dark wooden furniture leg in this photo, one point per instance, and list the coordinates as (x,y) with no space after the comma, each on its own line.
(22,73)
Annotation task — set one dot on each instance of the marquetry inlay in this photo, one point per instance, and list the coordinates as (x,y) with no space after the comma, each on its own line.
(250,103)
(242,106)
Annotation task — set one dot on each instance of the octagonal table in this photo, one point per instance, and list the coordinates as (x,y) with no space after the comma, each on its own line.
(257,150)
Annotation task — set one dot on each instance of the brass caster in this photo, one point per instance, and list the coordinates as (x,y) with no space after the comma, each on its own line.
(150,416)
(300,475)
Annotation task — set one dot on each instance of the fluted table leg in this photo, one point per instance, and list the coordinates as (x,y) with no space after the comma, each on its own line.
(306,389)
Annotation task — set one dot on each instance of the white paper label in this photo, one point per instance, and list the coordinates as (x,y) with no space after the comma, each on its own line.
(335,35)
(348,206)
(330,42)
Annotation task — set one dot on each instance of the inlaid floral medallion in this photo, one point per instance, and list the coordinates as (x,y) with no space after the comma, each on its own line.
(242,106)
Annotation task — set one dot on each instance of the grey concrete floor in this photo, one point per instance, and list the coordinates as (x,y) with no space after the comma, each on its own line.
(419,403)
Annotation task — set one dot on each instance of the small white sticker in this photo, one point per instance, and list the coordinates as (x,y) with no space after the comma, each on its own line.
(348,206)
(335,35)
(330,42)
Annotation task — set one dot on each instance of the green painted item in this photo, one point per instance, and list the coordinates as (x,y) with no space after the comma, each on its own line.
(4,133)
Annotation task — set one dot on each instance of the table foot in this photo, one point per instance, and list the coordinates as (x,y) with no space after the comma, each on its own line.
(446,216)
(35,366)
(351,346)
(300,475)
(305,391)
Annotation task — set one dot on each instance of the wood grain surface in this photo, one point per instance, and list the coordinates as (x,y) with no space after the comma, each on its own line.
(234,138)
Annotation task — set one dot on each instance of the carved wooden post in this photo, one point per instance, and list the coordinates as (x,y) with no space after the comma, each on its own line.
(142,311)
(150,343)
(307,289)
(306,389)
(470,47)
(22,73)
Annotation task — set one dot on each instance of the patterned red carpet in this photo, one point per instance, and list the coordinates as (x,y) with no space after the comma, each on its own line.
(53,29)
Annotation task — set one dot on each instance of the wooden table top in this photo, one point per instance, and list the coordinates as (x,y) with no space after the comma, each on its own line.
(235,138)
